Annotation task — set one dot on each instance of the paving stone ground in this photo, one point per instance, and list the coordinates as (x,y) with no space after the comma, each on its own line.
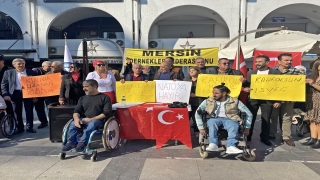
(33,156)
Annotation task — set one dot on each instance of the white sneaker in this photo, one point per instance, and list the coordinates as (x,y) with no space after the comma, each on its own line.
(233,150)
(212,147)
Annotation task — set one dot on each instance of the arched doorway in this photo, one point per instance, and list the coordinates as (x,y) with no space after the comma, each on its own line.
(297,17)
(86,23)
(9,28)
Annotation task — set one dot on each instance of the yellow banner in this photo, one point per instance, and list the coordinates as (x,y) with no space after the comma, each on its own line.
(278,87)
(206,82)
(182,57)
(136,91)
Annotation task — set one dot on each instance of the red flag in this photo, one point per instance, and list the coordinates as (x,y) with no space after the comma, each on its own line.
(171,123)
(273,55)
(243,68)
(242,64)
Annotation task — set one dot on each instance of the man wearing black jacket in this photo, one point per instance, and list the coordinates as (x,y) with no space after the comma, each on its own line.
(39,105)
(266,106)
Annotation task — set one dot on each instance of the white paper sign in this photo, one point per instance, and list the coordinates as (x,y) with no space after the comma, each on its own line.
(170,91)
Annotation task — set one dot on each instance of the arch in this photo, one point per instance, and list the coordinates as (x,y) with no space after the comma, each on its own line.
(9,28)
(304,13)
(72,15)
(203,15)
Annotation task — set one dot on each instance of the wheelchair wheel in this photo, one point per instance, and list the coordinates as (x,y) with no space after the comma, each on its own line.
(204,154)
(62,156)
(94,156)
(65,133)
(248,155)
(8,125)
(111,132)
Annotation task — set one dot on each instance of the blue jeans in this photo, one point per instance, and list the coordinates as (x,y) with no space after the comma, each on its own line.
(230,125)
(88,129)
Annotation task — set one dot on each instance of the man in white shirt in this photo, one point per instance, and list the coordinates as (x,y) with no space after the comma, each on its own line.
(266,106)
(12,91)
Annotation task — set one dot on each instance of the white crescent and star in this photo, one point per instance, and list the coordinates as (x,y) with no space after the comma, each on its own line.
(161,120)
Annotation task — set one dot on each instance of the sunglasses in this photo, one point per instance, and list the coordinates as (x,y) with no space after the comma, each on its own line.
(101,65)
(71,67)
(225,63)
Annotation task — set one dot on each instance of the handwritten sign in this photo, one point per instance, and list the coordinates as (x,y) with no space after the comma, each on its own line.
(136,91)
(278,87)
(41,86)
(170,91)
(206,82)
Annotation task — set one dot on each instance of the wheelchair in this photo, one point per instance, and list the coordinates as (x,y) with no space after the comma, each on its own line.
(222,137)
(110,132)
(8,122)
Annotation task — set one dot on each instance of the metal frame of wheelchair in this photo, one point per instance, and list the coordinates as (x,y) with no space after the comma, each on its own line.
(110,138)
(222,137)
(8,124)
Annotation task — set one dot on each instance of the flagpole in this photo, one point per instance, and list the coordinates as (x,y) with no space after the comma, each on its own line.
(239,37)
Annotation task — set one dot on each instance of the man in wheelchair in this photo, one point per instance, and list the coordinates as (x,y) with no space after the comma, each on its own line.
(89,114)
(223,111)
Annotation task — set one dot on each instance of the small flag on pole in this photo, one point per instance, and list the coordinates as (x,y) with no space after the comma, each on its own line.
(243,68)
(67,60)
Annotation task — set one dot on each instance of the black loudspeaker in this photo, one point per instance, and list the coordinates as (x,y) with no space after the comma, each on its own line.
(58,117)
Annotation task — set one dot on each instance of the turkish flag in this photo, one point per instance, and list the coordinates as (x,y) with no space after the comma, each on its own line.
(243,68)
(273,55)
(171,123)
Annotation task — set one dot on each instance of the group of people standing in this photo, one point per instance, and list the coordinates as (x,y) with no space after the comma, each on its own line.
(71,90)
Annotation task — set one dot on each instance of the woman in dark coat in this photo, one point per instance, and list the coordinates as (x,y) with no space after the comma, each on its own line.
(71,86)
(194,100)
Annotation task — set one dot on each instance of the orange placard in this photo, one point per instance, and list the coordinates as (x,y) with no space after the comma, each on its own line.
(41,86)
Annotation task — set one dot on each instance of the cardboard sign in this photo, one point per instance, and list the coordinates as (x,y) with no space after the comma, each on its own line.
(170,91)
(182,57)
(206,82)
(41,86)
(278,87)
(136,91)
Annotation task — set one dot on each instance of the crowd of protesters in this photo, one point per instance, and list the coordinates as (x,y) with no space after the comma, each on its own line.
(71,90)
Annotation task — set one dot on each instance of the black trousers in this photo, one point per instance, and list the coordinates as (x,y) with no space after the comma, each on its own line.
(192,115)
(40,109)
(266,110)
(28,106)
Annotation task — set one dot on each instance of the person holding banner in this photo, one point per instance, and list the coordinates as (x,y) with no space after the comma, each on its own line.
(173,68)
(223,111)
(286,109)
(137,74)
(194,101)
(39,105)
(105,79)
(313,106)
(165,73)
(71,86)
(12,91)
(254,104)
(201,64)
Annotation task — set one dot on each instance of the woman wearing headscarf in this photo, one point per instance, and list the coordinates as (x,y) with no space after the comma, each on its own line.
(105,79)
(71,86)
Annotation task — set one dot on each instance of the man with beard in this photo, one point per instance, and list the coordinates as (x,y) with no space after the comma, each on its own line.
(266,106)
(223,111)
(95,107)
(286,109)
